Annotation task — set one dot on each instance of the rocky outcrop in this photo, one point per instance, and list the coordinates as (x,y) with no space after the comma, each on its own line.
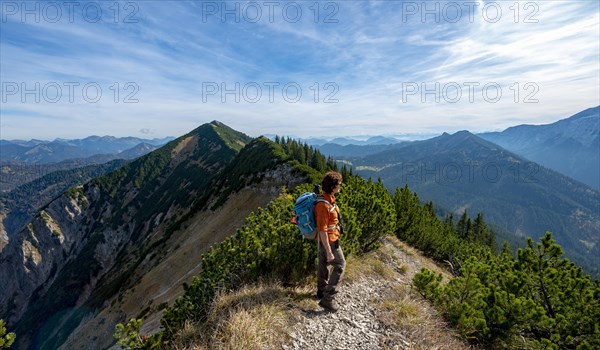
(3,234)
(33,256)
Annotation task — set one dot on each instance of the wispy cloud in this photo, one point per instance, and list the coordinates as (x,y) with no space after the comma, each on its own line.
(362,54)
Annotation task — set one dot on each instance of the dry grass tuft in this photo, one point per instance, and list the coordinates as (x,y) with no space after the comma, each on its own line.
(371,264)
(381,268)
(355,269)
(253,317)
(191,337)
(403,269)
(261,327)
(400,309)
(417,321)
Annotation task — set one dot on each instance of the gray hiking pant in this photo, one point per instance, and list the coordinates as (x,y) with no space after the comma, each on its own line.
(328,283)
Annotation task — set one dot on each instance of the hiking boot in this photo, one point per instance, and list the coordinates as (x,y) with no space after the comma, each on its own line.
(328,304)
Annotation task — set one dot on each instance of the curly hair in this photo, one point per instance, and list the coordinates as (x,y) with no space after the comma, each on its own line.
(330,181)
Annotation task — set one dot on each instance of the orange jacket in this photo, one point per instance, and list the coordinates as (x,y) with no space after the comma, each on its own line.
(327,217)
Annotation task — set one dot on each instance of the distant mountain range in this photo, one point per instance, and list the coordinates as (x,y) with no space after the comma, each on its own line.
(570,146)
(43,152)
(463,171)
(337,150)
(25,161)
(374,140)
(377,140)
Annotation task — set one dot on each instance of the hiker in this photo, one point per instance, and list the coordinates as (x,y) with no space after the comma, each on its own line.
(327,217)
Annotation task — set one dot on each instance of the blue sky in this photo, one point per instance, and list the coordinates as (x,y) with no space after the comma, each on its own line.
(160,68)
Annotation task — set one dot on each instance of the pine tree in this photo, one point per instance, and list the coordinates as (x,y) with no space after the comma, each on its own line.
(461,226)
(482,234)
(408,214)
(449,221)
(317,162)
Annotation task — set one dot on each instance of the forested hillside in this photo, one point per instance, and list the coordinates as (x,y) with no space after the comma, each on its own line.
(534,299)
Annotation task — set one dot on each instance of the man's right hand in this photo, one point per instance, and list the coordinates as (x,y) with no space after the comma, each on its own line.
(330,257)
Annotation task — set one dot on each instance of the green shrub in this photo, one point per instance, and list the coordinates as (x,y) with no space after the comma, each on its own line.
(6,339)
(538,296)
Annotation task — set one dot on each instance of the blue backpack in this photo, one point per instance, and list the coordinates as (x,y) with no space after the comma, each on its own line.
(304,214)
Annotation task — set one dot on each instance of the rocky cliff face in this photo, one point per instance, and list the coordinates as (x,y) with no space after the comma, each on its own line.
(52,265)
(35,254)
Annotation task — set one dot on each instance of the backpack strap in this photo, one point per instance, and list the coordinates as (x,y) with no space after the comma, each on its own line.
(329,205)
(331,208)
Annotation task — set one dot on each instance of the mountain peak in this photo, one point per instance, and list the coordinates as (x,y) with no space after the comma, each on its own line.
(463,135)
(233,138)
(219,132)
(217,123)
(467,136)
